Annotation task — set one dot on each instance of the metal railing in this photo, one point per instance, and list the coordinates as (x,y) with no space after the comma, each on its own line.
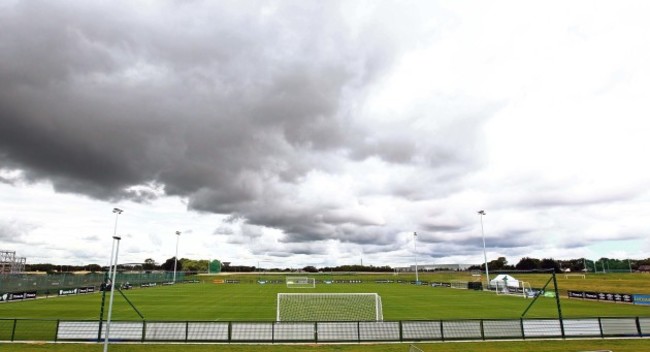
(322,332)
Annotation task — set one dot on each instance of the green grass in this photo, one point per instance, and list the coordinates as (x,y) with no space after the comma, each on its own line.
(250,301)
(632,345)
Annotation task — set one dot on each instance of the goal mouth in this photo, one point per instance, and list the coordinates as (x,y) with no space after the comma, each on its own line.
(460,284)
(521,289)
(329,307)
(300,282)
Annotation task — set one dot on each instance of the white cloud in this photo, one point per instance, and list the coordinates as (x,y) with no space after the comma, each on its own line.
(325,133)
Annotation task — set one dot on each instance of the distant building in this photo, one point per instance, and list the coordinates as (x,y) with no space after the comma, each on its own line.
(437,267)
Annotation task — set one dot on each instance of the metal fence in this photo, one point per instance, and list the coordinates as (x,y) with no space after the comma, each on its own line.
(50,284)
(322,332)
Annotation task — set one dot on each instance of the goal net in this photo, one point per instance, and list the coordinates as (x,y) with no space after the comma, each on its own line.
(568,276)
(329,307)
(300,282)
(459,284)
(522,288)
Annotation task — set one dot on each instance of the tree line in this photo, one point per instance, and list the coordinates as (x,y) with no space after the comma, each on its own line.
(572,265)
(499,264)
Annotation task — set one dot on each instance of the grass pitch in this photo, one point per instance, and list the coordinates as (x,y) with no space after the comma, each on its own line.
(249,301)
(635,345)
(207,301)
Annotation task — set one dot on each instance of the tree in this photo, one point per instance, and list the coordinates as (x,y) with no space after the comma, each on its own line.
(528,264)
(168,265)
(93,268)
(194,265)
(149,264)
(310,269)
(549,263)
(500,264)
(41,267)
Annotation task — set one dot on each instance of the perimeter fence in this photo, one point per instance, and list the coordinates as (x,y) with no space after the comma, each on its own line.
(321,332)
(52,284)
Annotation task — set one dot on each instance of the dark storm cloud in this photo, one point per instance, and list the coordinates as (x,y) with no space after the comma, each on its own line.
(98,103)
(314,248)
(7,180)
(229,106)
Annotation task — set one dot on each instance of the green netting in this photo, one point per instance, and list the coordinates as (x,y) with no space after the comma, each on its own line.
(45,283)
(215,267)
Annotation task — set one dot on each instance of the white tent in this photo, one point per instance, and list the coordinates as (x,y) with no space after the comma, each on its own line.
(504,280)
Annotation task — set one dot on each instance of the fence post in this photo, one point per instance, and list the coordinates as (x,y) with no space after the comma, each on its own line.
(144,330)
(316,331)
(187,331)
(482,331)
(600,326)
(638,327)
(401,332)
(442,331)
(102,288)
(56,331)
(13,330)
(359,331)
(559,307)
(523,331)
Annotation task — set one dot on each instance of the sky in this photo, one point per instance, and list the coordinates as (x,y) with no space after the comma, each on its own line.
(295,133)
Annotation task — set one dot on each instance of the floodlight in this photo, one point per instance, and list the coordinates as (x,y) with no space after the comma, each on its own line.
(487,271)
(178,235)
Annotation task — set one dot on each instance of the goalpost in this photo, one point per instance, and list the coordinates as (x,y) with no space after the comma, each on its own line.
(568,276)
(459,284)
(300,282)
(329,307)
(522,289)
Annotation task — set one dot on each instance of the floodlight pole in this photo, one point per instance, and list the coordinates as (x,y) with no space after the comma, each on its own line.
(415,254)
(117,212)
(487,271)
(116,243)
(178,235)
(107,277)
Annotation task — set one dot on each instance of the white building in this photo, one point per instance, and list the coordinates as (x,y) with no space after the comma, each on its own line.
(434,267)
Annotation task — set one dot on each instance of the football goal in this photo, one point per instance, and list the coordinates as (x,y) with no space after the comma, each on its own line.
(568,276)
(329,307)
(459,284)
(522,288)
(300,282)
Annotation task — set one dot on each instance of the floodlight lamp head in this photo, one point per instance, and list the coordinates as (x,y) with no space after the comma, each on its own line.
(117,211)
(178,233)
(481,212)
(117,238)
